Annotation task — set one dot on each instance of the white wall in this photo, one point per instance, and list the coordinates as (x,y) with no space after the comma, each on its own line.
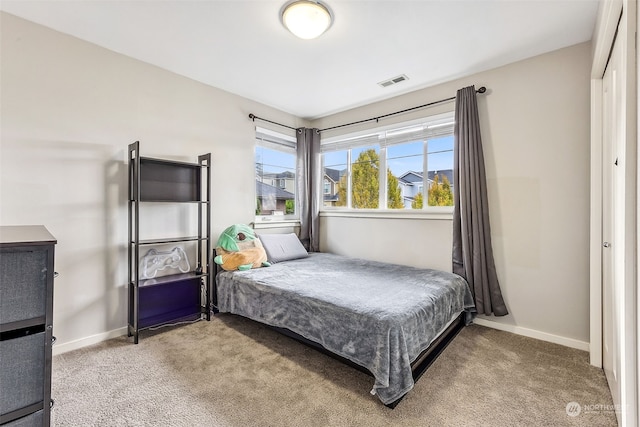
(69,110)
(421,243)
(535,129)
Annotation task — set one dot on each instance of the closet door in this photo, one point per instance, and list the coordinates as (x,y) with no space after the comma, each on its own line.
(612,223)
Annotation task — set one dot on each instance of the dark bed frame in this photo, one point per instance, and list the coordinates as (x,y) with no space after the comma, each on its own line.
(418,366)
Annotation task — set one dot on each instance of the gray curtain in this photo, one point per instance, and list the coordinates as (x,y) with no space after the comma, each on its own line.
(308,186)
(472,251)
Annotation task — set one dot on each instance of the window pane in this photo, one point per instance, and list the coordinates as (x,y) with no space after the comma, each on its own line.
(275,182)
(335,178)
(440,161)
(404,181)
(418,161)
(365,181)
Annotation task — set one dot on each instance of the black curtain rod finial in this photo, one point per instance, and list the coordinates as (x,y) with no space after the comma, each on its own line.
(254,118)
(482,89)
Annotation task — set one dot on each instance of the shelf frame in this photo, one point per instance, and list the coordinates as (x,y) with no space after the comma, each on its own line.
(168,181)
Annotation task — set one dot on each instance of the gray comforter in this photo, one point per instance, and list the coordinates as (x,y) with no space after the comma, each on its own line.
(380,316)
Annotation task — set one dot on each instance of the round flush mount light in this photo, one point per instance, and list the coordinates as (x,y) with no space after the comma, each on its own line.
(306,19)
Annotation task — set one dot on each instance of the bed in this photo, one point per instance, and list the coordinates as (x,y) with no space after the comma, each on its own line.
(388,320)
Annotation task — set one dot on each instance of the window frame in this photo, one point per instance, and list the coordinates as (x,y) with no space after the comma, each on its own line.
(346,142)
(277,141)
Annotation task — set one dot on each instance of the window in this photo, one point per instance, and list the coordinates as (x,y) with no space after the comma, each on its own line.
(384,169)
(275,163)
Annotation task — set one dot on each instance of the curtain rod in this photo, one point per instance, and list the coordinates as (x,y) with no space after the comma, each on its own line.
(479,90)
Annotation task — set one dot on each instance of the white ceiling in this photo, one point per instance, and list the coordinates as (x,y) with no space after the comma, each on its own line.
(240,45)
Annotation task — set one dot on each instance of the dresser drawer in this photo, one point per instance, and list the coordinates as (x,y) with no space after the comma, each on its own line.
(22,372)
(23,275)
(32,420)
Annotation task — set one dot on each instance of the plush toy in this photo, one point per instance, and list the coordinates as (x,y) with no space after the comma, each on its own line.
(239,248)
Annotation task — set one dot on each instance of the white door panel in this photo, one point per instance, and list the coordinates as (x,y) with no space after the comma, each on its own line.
(612,224)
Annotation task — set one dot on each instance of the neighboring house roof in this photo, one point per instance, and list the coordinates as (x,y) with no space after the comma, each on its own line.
(331,197)
(333,174)
(266,190)
(412,177)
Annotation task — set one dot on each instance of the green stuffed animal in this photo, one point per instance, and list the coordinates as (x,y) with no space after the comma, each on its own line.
(239,248)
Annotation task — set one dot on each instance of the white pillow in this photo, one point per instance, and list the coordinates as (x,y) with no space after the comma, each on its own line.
(282,247)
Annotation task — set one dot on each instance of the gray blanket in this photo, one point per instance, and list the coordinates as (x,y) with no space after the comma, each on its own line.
(380,316)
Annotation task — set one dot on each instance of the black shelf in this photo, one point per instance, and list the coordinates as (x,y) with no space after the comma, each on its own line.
(172,278)
(170,240)
(169,303)
(176,316)
(164,300)
(168,181)
(170,201)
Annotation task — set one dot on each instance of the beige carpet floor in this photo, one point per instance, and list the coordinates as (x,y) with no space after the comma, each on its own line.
(232,372)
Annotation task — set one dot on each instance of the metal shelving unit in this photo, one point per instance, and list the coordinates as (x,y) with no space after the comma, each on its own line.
(168,299)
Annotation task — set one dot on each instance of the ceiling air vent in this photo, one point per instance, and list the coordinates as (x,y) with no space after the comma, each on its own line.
(393,80)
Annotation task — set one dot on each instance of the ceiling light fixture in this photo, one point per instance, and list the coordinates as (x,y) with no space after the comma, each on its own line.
(306,19)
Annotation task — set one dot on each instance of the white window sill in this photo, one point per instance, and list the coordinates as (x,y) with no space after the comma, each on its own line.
(438,213)
(272,222)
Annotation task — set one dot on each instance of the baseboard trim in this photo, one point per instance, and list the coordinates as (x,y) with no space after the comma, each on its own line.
(518,330)
(531,333)
(83,342)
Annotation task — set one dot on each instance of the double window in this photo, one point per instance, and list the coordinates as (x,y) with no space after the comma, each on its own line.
(275,164)
(402,167)
(389,168)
